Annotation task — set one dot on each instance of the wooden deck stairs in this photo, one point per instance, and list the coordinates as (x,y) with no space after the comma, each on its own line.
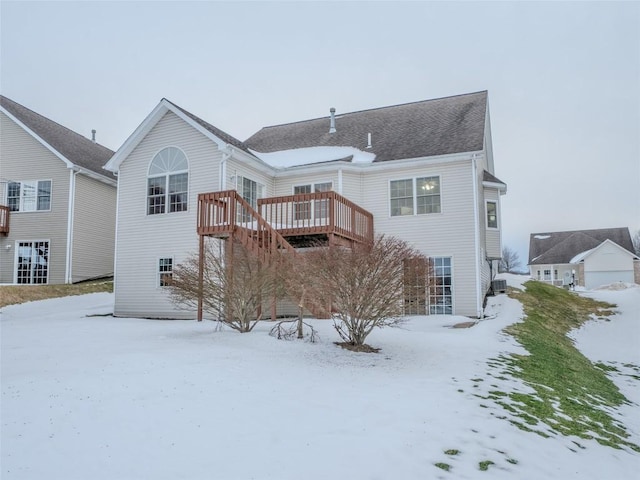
(280,225)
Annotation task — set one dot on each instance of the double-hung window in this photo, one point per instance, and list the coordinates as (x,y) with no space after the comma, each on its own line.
(165,271)
(318,209)
(29,196)
(415,196)
(168,182)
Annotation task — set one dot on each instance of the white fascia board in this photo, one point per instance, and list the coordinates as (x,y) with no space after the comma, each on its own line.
(377,166)
(67,162)
(136,137)
(261,165)
(501,187)
(96,176)
(153,118)
(588,253)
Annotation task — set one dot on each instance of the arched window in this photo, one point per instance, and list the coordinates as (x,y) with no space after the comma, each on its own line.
(167,182)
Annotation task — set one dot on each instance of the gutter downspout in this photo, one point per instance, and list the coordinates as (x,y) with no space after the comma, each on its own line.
(476,231)
(223,170)
(68,274)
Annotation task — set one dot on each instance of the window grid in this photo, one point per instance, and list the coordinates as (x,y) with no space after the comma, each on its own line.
(32,266)
(168,182)
(415,196)
(165,271)
(441,291)
(428,195)
(29,196)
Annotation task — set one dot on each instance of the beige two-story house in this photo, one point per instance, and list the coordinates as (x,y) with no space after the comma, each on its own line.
(421,171)
(57,203)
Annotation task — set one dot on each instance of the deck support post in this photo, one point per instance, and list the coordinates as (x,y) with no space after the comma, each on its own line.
(200,276)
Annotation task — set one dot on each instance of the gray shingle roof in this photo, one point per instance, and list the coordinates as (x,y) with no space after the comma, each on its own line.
(560,247)
(421,129)
(488,177)
(216,131)
(74,147)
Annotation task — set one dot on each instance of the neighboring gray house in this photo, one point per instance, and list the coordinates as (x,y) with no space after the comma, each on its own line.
(588,258)
(57,203)
(421,171)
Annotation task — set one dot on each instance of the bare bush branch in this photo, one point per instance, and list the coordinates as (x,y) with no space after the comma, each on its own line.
(364,285)
(235,283)
(510,261)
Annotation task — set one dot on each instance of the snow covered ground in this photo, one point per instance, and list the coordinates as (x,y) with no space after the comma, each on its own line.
(86,395)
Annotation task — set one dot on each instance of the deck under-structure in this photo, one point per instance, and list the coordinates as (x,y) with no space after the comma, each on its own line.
(280,224)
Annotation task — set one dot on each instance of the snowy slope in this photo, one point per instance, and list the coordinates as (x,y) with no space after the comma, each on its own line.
(110,398)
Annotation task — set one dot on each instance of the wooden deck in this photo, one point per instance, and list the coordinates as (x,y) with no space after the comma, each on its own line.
(318,216)
(4,220)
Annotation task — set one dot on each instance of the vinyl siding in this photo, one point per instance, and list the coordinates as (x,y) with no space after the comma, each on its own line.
(236,168)
(446,234)
(94,226)
(608,258)
(284,185)
(23,158)
(143,239)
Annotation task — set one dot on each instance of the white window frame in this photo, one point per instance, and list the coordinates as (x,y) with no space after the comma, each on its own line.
(312,208)
(160,273)
(433,285)
(21,197)
(486,212)
(414,186)
(167,178)
(17,255)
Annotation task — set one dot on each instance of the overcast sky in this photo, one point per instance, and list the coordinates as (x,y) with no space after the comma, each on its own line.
(563,80)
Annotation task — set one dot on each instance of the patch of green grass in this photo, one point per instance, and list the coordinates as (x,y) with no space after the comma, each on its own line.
(444,466)
(14,294)
(512,461)
(452,451)
(571,393)
(484,465)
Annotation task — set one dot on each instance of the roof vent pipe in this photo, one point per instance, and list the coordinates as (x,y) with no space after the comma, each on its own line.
(332,127)
(369,140)
(93,136)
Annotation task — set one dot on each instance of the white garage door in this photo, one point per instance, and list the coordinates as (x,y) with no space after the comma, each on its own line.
(597,279)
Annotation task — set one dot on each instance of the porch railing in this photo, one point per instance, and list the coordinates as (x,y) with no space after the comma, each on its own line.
(4,220)
(226,213)
(317,213)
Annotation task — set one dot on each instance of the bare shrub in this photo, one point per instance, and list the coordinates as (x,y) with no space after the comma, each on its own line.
(364,285)
(235,283)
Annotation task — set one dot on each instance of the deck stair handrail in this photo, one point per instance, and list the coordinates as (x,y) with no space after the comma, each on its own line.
(227,214)
(4,220)
(318,213)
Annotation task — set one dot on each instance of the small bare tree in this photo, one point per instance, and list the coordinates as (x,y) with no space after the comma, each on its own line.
(510,261)
(364,285)
(299,283)
(235,283)
(636,242)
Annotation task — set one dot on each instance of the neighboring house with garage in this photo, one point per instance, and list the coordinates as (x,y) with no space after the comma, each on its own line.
(422,171)
(588,258)
(57,203)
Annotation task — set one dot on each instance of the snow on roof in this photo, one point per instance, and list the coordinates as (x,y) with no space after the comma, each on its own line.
(579,257)
(311,155)
(542,237)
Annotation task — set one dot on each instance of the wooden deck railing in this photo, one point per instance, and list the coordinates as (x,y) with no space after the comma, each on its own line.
(226,213)
(317,213)
(4,220)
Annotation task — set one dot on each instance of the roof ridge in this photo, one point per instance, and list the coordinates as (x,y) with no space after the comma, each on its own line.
(365,110)
(4,97)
